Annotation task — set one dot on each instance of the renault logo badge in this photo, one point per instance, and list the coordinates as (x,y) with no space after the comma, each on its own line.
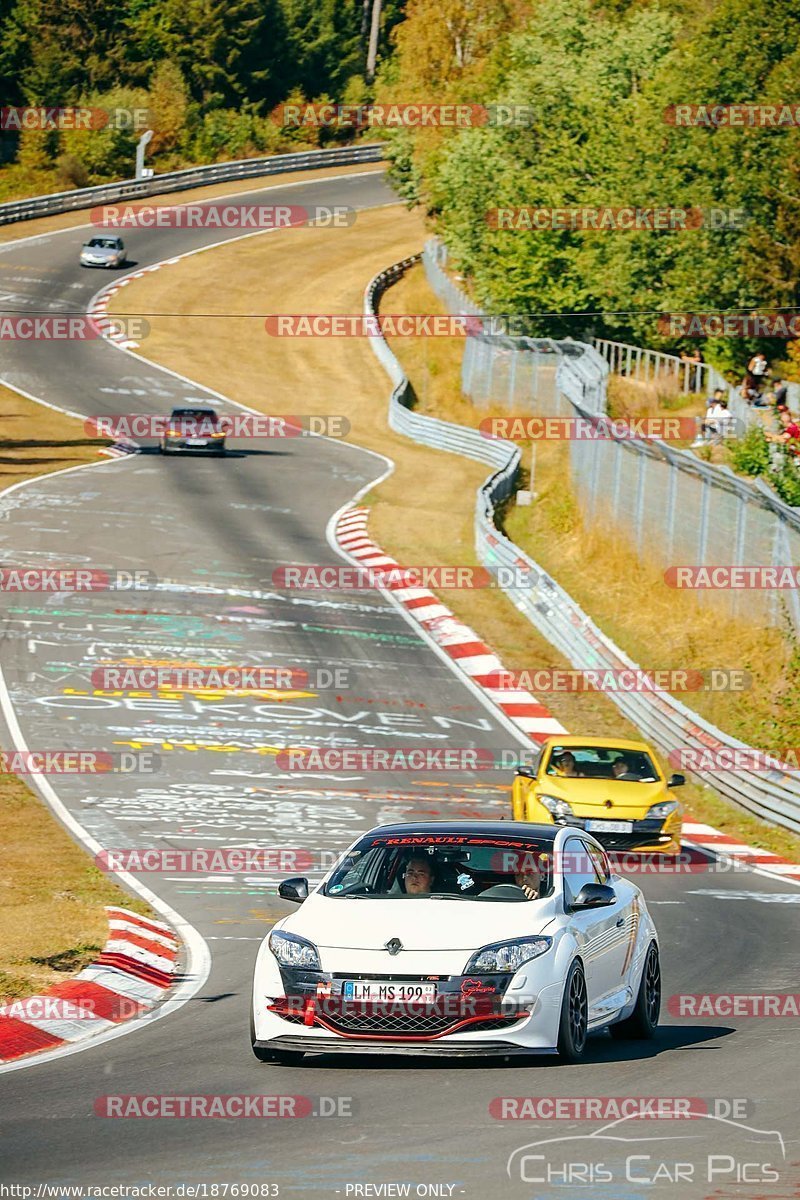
(394,946)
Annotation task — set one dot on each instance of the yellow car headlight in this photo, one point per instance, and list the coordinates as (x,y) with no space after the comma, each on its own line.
(557,807)
(663,809)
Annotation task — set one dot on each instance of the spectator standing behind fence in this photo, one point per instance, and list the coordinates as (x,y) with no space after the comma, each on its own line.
(758,367)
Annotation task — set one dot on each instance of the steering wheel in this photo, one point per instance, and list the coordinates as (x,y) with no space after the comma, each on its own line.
(503,891)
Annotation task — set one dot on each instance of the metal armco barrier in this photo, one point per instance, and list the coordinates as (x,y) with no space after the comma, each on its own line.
(774,795)
(178,181)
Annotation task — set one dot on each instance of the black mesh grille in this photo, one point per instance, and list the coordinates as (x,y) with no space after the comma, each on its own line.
(395,1020)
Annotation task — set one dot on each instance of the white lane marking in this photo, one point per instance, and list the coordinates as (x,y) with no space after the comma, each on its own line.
(199,956)
(717,852)
(759,897)
(46,403)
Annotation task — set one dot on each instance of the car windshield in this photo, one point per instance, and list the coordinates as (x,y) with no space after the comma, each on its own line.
(452,866)
(194,414)
(104,243)
(601,762)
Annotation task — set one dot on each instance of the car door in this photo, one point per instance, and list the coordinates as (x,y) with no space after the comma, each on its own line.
(601,932)
(626,921)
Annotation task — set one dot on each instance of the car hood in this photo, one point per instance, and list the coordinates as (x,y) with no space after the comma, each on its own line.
(100,252)
(423,924)
(590,797)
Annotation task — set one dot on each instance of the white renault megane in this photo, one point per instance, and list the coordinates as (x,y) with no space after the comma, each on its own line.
(480,938)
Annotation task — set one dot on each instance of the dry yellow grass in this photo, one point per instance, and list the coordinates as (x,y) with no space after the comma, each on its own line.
(423,513)
(35,440)
(52,920)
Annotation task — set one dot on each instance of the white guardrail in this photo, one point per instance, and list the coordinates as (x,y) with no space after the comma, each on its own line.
(654,366)
(178,181)
(773,795)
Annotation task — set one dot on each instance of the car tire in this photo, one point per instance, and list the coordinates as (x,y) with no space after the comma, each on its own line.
(574,1020)
(642,1024)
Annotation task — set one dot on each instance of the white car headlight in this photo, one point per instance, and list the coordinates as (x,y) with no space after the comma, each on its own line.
(663,809)
(507,957)
(293,951)
(559,808)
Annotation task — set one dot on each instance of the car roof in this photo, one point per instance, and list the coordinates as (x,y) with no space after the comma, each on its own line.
(613,743)
(511,829)
(195,408)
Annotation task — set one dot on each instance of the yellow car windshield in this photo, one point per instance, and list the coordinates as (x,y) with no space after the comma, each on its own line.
(601,762)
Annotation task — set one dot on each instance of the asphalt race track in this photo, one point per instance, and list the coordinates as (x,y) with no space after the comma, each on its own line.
(212,532)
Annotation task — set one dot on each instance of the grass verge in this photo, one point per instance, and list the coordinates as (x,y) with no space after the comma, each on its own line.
(424,512)
(35,440)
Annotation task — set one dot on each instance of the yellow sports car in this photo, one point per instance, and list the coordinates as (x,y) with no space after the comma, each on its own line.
(614,789)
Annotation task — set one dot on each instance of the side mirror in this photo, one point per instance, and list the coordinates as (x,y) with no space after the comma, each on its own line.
(526,772)
(295,889)
(594,895)
(676,781)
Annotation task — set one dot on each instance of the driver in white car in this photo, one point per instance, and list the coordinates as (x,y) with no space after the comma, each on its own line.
(418,877)
(529,880)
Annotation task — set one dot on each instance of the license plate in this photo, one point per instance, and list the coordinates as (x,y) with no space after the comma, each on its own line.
(609,826)
(363,989)
(196,442)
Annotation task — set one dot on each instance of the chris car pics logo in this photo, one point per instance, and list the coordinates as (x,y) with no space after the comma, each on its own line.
(714,1152)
